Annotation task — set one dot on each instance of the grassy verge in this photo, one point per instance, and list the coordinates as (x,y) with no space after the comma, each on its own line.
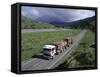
(83,56)
(32,43)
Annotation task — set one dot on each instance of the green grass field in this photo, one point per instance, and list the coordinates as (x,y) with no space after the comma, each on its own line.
(32,43)
(84,55)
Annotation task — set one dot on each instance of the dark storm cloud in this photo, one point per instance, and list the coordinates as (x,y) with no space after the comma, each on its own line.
(66,15)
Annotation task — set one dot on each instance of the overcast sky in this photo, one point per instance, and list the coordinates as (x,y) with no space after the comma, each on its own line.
(66,15)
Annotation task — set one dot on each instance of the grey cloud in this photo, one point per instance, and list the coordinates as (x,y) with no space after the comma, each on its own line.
(65,15)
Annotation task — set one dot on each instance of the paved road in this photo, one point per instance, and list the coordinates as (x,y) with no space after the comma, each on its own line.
(38,63)
(40,30)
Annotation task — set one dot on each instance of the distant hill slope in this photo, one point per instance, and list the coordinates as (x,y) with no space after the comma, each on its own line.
(84,23)
(81,24)
(28,23)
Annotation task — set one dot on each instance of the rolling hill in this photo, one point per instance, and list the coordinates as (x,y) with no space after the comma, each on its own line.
(28,23)
(86,23)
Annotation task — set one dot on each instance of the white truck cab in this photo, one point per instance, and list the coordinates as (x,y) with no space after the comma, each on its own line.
(49,51)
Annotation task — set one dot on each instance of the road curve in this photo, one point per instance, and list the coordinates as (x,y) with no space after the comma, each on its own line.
(38,63)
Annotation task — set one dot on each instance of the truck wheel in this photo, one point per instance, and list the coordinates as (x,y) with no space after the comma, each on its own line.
(60,51)
(57,53)
(52,57)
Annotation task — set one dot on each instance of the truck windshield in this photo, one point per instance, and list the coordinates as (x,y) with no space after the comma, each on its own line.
(45,49)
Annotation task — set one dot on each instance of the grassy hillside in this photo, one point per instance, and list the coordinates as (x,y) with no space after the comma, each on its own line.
(32,43)
(28,23)
(84,55)
(87,23)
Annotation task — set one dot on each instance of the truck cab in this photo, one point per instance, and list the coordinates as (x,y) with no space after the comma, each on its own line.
(49,51)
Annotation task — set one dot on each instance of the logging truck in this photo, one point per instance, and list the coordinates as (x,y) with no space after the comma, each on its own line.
(55,48)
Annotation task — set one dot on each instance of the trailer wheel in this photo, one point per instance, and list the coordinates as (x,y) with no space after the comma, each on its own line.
(61,51)
(66,47)
(71,41)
